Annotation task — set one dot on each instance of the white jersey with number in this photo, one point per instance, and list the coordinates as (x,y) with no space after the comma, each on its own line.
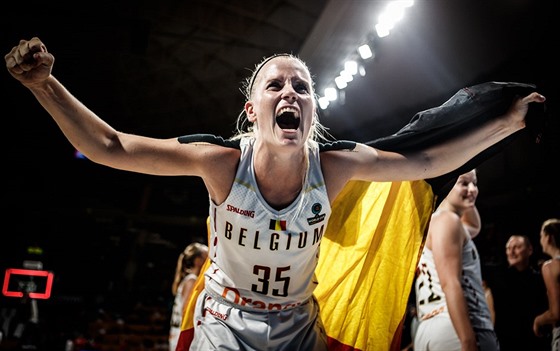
(261,258)
(430,298)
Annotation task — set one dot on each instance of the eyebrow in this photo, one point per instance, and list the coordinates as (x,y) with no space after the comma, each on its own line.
(260,66)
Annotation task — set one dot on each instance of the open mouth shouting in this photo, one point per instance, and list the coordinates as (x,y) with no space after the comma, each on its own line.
(288,118)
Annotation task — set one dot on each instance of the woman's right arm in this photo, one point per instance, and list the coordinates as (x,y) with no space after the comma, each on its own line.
(30,63)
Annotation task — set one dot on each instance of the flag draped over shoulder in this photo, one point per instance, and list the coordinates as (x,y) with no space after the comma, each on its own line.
(367,261)
(371,247)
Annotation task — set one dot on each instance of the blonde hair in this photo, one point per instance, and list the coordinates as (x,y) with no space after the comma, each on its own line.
(244,127)
(186,262)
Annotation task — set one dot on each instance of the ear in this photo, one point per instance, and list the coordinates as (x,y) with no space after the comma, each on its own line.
(250,112)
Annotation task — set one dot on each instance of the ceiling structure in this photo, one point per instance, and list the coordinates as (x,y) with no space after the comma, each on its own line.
(170,68)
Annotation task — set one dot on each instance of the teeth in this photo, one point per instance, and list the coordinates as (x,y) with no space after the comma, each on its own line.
(288,110)
(288,118)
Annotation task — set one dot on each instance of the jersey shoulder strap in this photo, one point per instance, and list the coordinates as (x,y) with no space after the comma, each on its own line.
(337,145)
(217,140)
(209,138)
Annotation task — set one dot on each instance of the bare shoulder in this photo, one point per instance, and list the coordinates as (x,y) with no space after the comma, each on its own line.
(210,157)
(551,267)
(445,223)
(338,168)
(445,217)
(367,163)
(348,161)
(334,159)
(216,165)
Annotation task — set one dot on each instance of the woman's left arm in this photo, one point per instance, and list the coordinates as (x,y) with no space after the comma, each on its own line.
(371,164)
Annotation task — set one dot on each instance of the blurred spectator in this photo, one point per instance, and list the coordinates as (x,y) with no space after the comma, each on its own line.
(550,242)
(519,295)
(188,267)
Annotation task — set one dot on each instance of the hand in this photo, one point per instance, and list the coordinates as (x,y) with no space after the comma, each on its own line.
(537,327)
(518,109)
(29,62)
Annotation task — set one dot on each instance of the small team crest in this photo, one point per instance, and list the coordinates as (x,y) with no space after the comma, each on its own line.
(318,217)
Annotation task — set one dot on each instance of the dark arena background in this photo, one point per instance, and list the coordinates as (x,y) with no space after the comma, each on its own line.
(109,240)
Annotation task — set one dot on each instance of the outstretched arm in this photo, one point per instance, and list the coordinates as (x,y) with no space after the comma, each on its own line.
(451,154)
(30,63)
(441,140)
